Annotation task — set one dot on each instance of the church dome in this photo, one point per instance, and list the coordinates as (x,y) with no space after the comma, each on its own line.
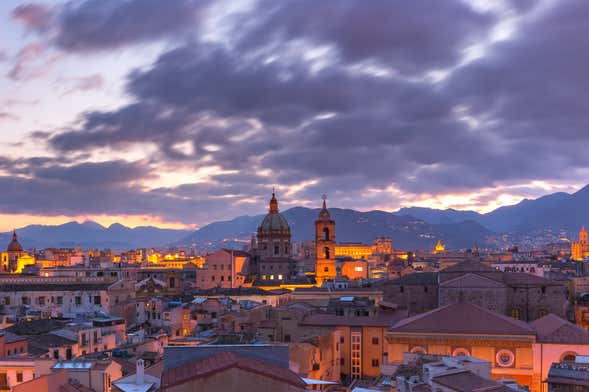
(274,221)
(14,245)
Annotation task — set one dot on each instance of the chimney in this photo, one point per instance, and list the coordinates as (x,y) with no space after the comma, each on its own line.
(140,374)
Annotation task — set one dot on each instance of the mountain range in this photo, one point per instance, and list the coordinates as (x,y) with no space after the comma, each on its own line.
(411,228)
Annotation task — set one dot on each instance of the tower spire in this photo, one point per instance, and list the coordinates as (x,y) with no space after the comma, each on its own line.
(273,203)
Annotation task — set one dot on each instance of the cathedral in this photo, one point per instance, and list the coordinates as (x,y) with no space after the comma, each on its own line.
(272,249)
(580,249)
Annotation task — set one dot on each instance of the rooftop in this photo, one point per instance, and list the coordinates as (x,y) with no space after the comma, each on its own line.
(463,318)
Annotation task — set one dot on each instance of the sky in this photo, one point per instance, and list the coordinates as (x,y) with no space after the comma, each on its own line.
(177,113)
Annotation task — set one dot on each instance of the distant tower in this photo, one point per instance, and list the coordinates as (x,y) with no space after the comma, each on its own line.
(440,248)
(325,267)
(580,249)
(583,236)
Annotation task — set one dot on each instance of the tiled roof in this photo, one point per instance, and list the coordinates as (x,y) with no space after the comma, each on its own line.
(417,278)
(472,280)
(55,287)
(226,360)
(381,320)
(524,279)
(463,318)
(466,381)
(553,329)
(469,266)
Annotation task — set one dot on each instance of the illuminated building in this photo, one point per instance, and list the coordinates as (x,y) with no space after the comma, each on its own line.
(440,248)
(15,258)
(516,349)
(382,246)
(325,267)
(273,246)
(580,249)
(354,250)
(223,268)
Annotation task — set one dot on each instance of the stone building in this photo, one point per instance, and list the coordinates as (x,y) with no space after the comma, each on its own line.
(225,268)
(519,295)
(516,349)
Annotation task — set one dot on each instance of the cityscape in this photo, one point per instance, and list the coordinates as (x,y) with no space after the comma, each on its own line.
(294,195)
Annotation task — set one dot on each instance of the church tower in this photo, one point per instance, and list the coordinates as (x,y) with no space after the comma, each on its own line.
(325,267)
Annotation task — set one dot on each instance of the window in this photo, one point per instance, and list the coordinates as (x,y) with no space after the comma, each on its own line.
(326,252)
(276,250)
(342,361)
(341,339)
(172,282)
(25,300)
(425,289)
(326,269)
(505,358)
(59,300)
(374,340)
(78,300)
(543,289)
(97,300)
(375,363)
(213,278)
(460,351)
(402,289)
(516,313)
(41,300)
(6,300)
(542,313)
(167,316)
(325,234)
(3,380)
(418,350)
(222,278)
(356,355)
(287,338)
(279,277)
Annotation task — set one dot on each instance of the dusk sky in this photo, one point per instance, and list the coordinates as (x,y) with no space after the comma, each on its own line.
(177,113)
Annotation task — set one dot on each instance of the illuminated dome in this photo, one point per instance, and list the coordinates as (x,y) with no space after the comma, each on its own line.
(274,221)
(274,234)
(14,245)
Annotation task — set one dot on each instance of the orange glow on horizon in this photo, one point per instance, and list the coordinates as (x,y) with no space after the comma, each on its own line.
(9,222)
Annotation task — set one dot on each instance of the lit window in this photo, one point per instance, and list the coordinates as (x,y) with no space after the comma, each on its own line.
(271,277)
(358,269)
(264,277)
(279,277)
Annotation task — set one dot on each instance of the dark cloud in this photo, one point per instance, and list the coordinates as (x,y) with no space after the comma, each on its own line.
(97,25)
(410,37)
(103,174)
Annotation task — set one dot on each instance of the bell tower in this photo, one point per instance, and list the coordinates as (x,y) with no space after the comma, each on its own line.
(325,267)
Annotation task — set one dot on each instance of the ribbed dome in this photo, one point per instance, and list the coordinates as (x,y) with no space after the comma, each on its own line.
(14,245)
(274,221)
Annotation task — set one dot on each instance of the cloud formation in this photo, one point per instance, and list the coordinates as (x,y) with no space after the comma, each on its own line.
(340,97)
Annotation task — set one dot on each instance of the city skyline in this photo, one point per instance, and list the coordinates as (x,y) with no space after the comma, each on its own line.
(111,115)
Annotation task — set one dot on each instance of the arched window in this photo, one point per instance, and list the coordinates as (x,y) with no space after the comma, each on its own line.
(326,251)
(418,350)
(568,357)
(326,234)
(461,351)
